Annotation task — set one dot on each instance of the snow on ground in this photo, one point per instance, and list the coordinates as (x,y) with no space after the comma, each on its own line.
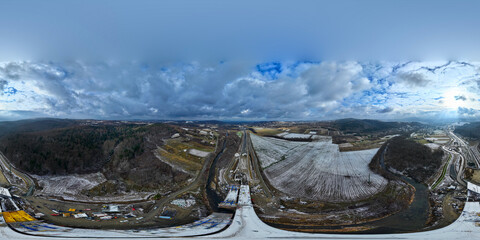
(432,145)
(68,185)
(184,203)
(247,225)
(439,132)
(232,194)
(4,192)
(271,150)
(282,134)
(198,153)
(70,188)
(125,197)
(41,230)
(390,136)
(318,170)
(297,136)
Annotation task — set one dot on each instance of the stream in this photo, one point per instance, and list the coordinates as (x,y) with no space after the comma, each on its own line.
(213,198)
(411,219)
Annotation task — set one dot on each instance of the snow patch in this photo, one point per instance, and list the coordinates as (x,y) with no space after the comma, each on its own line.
(432,145)
(72,184)
(183,203)
(198,153)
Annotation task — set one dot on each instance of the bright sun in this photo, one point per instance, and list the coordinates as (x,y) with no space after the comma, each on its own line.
(450,99)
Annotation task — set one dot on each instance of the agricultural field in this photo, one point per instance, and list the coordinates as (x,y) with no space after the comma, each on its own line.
(356,143)
(432,139)
(186,155)
(438,140)
(267,131)
(317,169)
(273,150)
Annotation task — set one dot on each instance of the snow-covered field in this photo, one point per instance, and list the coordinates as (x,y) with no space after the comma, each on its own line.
(198,153)
(318,170)
(297,136)
(311,135)
(68,185)
(432,145)
(70,188)
(271,150)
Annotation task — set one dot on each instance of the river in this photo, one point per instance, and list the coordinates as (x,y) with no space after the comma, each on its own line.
(213,198)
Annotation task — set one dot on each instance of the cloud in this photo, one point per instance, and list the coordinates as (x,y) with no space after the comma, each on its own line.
(385,110)
(246,111)
(462,97)
(192,90)
(3,84)
(413,79)
(468,112)
(288,90)
(331,81)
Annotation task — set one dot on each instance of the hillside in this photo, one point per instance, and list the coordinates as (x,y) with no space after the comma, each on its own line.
(412,159)
(350,125)
(471,130)
(123,152)
(33,125)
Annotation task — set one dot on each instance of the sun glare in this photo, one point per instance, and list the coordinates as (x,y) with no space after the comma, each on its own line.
(450,99)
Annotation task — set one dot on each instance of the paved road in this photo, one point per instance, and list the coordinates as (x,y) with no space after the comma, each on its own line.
(28,184)
(454,174)
(459,159)
(471,152)
(197,183)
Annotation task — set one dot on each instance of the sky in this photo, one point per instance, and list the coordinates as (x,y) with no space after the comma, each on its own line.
(240,60)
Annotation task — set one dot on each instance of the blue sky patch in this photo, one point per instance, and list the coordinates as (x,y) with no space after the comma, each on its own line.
(270,69)
(9,91)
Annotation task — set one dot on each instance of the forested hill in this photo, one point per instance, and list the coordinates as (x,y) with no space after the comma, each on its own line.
(351,125)
(471,130)
(119,150)
(34,125)
(413,159)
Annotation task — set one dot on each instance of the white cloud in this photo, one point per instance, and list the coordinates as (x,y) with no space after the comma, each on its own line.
(230,90)
(245,111)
